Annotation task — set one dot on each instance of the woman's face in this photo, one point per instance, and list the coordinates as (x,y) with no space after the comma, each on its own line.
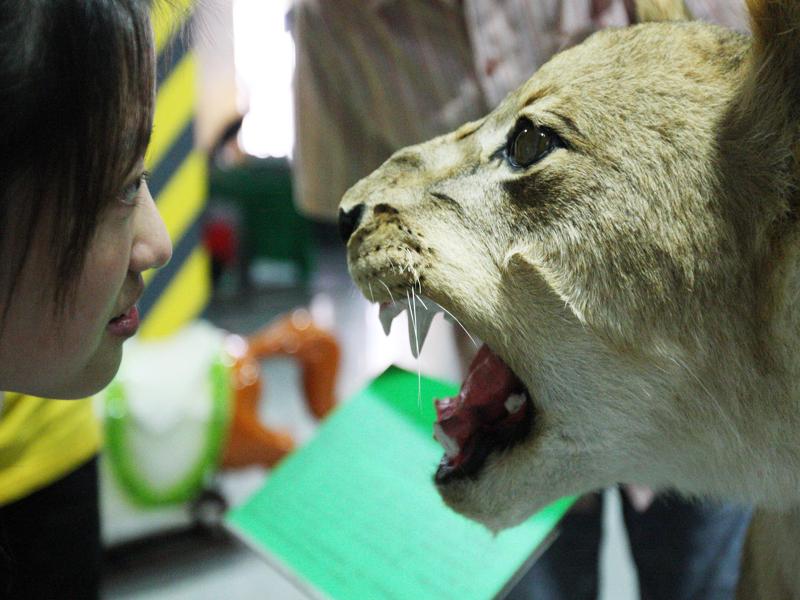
(75,352)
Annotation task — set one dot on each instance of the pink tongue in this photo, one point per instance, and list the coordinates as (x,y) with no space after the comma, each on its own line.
(481,402)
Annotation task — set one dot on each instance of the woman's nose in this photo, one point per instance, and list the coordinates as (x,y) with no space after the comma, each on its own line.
(152,248)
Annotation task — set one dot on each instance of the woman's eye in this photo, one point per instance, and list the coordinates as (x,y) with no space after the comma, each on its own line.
(131,192)
(529,144)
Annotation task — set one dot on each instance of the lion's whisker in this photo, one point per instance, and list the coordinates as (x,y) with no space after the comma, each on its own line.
(452,316)
(412,315)
(387,289)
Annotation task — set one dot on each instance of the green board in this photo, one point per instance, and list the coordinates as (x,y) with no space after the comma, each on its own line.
(354,514)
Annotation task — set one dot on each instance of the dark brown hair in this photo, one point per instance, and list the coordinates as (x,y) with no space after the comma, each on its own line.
(76,107)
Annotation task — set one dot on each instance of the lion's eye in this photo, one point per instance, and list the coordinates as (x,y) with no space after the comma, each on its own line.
(528,144)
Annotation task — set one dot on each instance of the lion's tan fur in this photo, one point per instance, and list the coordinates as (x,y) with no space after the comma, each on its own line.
(643,281)
(652,11)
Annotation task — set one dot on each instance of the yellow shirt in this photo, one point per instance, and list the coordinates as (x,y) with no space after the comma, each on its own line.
(42,441)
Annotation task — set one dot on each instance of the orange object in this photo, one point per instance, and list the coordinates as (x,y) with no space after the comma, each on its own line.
(250,442)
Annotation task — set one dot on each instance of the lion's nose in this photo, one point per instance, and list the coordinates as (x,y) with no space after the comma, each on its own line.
(349,220)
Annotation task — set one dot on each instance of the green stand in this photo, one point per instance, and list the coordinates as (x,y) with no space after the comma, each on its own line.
(123,462)
(354,514)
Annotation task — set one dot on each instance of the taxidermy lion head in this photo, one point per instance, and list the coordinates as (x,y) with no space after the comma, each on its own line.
(622,233)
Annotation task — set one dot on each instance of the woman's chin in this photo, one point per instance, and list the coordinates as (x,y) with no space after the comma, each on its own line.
(94,377)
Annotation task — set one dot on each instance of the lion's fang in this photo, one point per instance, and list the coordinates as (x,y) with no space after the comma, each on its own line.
(421,321)
(419,324)
(388,312)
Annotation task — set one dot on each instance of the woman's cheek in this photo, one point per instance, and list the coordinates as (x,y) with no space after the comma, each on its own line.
(107,265)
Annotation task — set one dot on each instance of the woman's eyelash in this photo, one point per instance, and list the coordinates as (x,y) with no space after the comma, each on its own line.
(131,193)
(143,178)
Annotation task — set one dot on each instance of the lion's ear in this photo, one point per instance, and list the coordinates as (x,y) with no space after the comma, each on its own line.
(776,52)
(648,11)
(769,102)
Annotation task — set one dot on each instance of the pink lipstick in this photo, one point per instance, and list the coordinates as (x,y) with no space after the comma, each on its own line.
(126,324)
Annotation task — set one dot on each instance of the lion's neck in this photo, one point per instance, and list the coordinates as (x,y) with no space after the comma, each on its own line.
(766,386)
(770,562)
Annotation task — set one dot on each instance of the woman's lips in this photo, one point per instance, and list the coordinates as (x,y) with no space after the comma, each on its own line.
(125,325)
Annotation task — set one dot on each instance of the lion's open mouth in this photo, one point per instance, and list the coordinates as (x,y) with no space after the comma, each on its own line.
(492,411)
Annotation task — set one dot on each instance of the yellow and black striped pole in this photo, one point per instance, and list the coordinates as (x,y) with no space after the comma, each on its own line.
(179,292)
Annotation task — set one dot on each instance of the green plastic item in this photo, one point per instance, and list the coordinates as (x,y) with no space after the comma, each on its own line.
(117,425)
(354,514)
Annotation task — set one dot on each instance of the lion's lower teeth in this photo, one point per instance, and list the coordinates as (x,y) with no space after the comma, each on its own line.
(450,446)
(514,402)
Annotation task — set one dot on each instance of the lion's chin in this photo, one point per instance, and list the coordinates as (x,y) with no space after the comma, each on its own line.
(492,499)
